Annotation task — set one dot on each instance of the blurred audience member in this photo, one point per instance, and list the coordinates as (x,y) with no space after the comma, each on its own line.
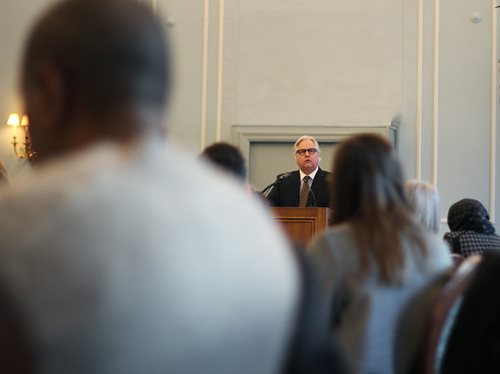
(424,201)
(121,255)
(476,320)
(471,230)
(227,157)
(375,258)
(312,351)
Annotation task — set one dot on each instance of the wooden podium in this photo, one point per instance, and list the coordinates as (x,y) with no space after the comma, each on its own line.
(302,224)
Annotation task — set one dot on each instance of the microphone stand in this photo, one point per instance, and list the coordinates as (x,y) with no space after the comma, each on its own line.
(266,191)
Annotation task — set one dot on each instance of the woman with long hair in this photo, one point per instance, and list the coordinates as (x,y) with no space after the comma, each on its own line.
(375,258)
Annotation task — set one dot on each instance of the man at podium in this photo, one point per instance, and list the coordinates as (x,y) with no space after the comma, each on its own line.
(306,187)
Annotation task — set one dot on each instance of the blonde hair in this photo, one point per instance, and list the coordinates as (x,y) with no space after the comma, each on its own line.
(424,201)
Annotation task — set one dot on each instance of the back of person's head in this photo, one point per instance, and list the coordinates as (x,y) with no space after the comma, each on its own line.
(368,192)
(95,58)
(424,201)
(469,215)
(367,180)
(228,158)
(109,54)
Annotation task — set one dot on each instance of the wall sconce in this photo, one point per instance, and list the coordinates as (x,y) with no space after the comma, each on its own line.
(26,149)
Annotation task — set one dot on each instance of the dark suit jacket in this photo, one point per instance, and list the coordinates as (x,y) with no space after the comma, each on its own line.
(287,192)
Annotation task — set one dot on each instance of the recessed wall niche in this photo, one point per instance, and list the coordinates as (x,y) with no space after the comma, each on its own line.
(269,149)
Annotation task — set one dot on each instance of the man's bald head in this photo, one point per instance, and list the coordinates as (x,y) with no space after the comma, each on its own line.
(99,56)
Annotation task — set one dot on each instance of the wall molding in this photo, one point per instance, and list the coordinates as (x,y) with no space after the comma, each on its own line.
(494,97)
(204,75)
(220,72)
(493,116)
(420,95)
(435,106)
(245,135)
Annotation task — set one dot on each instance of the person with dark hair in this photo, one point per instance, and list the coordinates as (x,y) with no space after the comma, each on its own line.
(375,258)
(306,187)
(471,230)
(120,253)
(228,158)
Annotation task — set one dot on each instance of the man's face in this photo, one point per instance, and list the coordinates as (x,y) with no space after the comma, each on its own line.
(309,161)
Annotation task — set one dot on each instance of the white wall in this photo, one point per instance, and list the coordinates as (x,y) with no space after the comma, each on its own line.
(16,17)
(424,64)
(279,65)
(466,110)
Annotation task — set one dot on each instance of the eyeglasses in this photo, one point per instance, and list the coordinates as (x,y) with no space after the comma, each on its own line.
(302,152)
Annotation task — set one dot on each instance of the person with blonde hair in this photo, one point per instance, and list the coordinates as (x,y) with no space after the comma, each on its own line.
(424,201)
(375,259)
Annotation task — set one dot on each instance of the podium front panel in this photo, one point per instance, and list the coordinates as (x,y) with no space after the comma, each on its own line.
(301,224)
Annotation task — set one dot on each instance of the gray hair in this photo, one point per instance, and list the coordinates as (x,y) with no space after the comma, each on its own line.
(424,201)
(306,137)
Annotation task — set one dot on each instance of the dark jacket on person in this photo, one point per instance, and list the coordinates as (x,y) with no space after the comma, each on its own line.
(286,193)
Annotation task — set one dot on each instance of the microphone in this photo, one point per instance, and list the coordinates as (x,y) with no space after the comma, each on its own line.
(282,176)
(279,178)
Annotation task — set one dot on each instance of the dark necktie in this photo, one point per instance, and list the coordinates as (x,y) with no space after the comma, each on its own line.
(304,192)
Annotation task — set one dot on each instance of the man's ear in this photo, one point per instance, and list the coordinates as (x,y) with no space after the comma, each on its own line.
(51,96)
(46,103)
